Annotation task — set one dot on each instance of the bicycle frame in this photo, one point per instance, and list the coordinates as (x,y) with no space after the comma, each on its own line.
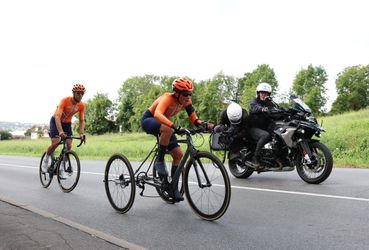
(190,153)
(55,160)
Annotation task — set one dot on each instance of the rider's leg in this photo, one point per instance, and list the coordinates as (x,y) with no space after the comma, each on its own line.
(54,135)
(49,151)
(66,166)
(53,146)
(69,144)
(165,134)
(261,137)
(177,155)
(234,149)
(151,126)
(67,127)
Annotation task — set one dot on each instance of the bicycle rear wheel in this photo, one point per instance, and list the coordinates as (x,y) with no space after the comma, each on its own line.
(119,182)
(164,194)
(45,178)
(207,186)
(68,171)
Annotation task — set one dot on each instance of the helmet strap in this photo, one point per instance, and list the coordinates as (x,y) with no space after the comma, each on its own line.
(176,94)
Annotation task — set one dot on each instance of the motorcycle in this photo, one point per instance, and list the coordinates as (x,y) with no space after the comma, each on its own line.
(292,146)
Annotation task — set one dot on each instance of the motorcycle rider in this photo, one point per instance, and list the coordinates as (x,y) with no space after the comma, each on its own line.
(234,119)
(260,122)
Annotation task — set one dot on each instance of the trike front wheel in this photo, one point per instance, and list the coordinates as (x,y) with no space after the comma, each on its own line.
(207,186)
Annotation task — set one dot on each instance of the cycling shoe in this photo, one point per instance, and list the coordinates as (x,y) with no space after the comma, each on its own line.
(177,196)
(161,168)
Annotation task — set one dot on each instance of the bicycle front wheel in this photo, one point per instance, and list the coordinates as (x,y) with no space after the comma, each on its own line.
(45,177)
(68,171)
(207,186)
(120,183)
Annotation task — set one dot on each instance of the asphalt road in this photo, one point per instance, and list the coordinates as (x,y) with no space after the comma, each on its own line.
(267,211)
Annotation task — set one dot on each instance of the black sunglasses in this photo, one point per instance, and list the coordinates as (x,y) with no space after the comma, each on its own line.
(187,94)
(79,93)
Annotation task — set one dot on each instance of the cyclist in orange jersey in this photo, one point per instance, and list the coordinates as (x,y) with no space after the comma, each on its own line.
(61,121)
(156,121)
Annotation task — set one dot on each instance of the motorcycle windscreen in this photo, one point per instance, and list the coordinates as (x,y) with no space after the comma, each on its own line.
(298,104)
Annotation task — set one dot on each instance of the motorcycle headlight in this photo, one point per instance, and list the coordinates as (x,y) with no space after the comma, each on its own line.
(301,131)
(311,119)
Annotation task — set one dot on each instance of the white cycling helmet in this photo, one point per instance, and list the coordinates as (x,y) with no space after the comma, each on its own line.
(234,113)
(264,87)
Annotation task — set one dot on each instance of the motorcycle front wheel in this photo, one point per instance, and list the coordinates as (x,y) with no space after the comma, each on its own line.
(321,166)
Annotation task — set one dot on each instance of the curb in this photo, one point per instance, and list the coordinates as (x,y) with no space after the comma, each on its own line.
(93,232)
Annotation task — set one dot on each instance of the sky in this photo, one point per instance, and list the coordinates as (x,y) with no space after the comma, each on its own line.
(47,46)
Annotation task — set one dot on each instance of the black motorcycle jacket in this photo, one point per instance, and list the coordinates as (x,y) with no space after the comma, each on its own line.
(259,113)
(240,130)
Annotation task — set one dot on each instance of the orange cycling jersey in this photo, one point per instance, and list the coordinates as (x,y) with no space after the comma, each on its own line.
(67,108)
(166,106)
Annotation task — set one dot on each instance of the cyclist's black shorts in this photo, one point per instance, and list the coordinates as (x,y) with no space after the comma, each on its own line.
(151,126)
(67,128)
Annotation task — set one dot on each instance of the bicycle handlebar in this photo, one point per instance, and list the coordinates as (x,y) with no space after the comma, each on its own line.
(187,131)
(83,140)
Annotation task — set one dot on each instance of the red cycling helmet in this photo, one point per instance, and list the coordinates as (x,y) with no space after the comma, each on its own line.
(78,88)
(182,84)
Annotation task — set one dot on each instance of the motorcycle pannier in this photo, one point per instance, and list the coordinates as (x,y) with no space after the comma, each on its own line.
(218,142)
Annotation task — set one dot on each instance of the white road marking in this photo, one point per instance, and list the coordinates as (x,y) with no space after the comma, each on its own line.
(17,166)
(32,167)
(303,193)
(236,187)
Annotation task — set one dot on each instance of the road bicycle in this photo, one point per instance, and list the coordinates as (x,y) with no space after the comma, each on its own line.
(200,175)
(66,167)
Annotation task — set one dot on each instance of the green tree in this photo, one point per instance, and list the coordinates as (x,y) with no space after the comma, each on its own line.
(238,90)
(5,135)
(166,83)
(249,82)
(28,132)
(352,87)
(143,102)
(98,110)
(214,95)
(129,95)
(309,84)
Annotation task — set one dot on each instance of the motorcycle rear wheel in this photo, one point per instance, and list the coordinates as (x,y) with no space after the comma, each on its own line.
(239,171)
(321,170)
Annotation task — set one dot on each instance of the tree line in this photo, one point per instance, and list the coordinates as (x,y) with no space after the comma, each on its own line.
(213,95)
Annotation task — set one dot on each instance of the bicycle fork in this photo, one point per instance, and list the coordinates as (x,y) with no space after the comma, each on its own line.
(199,165)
